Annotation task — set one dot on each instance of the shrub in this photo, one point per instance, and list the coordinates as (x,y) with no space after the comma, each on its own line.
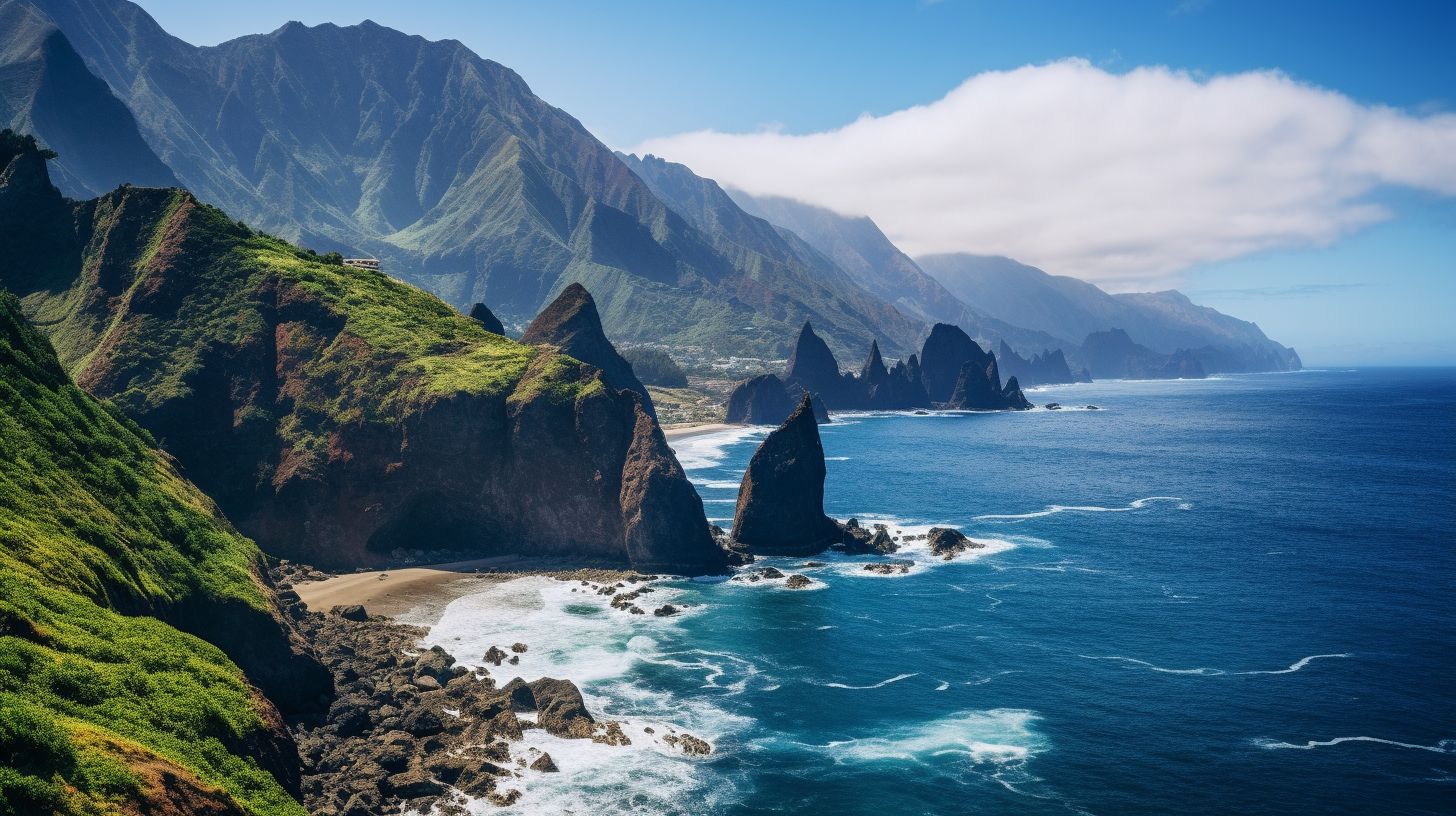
(655,367)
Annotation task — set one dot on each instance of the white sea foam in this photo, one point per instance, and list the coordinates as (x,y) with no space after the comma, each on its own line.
(1445,746)
(708,450)
(997,736)
(723,484)
(1053,509)
(578,636)
(1211,672)
(897,678)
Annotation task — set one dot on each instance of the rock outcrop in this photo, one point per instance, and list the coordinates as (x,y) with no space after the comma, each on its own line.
(761,400)
(572,325)
(1113,355)
(482,314)
(813,369)
(945,354)
(1049,367)
(339,417)
(979,388)
(781,500)
(948,543)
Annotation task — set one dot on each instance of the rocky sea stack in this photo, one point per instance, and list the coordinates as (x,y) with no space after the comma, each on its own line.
(781,500)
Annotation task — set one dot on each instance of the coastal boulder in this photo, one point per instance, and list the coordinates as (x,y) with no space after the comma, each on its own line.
(560,708)
(781,499)
(948,543)
(571,324)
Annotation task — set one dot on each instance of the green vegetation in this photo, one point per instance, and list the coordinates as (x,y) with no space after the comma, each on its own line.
(12,144)
(94,523)
(654,367)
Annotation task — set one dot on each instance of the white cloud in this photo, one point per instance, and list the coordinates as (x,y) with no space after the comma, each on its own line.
(1115,177)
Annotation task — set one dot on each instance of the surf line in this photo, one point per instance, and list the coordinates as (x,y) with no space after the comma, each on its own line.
(897,678)
(1053,509)
(1445,746)
(1210,672)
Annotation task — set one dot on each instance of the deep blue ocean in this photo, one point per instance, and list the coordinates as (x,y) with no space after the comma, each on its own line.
(1222,596)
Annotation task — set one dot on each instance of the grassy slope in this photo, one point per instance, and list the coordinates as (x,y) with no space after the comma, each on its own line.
(93,519)
(398,346)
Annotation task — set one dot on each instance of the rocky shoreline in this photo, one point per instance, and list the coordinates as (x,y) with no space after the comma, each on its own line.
(411,730)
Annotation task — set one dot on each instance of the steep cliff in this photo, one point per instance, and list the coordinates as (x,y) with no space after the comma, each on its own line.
(781,500)
(127,606)
(1112,355)
(334,413)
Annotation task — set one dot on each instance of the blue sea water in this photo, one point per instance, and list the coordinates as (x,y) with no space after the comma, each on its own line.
(1221,596)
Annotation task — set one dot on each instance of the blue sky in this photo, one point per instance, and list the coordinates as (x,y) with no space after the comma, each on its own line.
(1380,292)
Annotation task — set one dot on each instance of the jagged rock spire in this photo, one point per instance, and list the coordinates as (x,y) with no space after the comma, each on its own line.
(571,323)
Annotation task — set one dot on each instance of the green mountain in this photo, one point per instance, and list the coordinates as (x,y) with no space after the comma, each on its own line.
(338,415)
(127,605)
(1071,309)
(45,88)
(365,140)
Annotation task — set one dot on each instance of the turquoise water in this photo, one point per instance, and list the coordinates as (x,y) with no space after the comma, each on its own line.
(1230,595)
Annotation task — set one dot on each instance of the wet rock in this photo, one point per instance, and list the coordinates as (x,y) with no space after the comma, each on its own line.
(495,656)
(689,744)
(353,612)
(562,712)
(889,568)
(545,764)
(665,611)
(518,648)
(948,543)
(797,581)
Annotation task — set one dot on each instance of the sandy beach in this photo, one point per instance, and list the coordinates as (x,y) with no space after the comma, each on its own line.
(690,429)
(421,592)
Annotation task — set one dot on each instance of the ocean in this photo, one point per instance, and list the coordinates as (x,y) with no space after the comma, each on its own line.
(1230,595)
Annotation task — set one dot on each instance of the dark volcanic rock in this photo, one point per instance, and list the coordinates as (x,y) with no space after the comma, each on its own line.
(482,314)
(760,401)
(978,388)
(946,352)
(781,500)
(561,710)
(663,523)
(948,543)
(571,324)
(813,368)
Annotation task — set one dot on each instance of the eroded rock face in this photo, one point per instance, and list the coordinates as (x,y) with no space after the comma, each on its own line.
(759,401)
(318,438)
(663,524)
(978,388)
(571,323)
(482,314)
(946,352)
(781,500)
(813,370)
